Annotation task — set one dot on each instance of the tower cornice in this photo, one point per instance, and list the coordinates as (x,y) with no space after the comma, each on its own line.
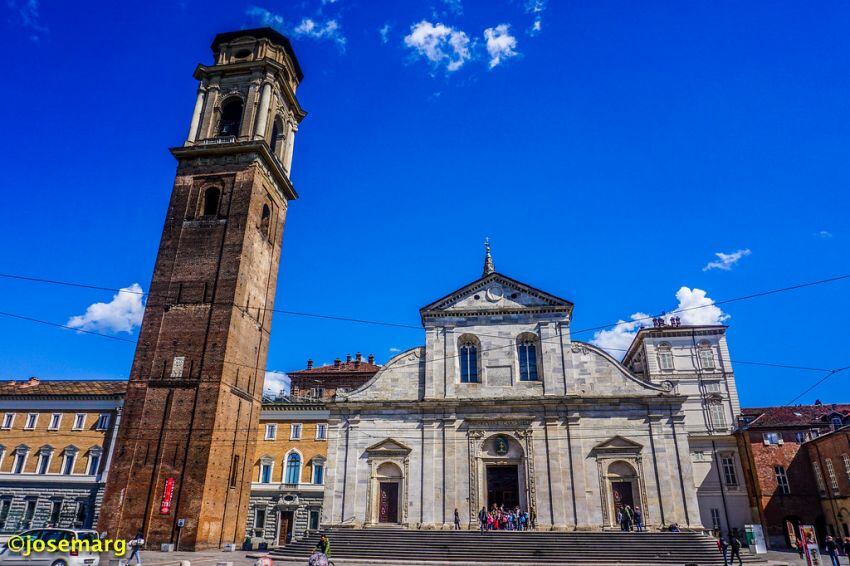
(215,148)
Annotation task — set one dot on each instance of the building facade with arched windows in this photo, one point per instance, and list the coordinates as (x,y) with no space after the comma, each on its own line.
(501,406)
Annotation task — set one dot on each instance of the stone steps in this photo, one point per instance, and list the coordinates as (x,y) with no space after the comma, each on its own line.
(510,547)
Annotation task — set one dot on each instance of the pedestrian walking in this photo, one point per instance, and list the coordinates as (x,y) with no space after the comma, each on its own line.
(136,544)
(847,548)
(629,517)
(638,520)
(832,549)
(735,544)
(457,520)
(723,547)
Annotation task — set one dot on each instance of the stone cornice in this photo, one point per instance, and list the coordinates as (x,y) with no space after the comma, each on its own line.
(260,147)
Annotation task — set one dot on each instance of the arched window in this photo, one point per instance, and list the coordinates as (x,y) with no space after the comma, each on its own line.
(277,132)
(211,197)
(527,349)
(665,356)
(264,220)
(293,468)
(468,347)
(231,117)
(706,355)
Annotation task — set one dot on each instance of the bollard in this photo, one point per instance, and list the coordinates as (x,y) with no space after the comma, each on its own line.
(230,547)
(185,563)
(167,547)
(224,564)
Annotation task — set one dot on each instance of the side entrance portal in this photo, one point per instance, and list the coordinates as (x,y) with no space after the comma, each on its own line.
(503,486)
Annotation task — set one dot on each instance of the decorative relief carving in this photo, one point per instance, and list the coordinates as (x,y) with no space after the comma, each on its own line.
(577,348)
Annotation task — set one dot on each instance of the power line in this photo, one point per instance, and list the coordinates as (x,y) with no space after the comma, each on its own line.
(418,327)
(399,366)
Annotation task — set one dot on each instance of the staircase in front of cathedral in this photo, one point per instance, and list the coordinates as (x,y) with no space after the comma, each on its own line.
(394,545)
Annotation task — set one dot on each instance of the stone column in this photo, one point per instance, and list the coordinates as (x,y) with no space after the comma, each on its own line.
(196,117)
(559,496)
(450,496)
(349,510)
(263,111)
(290,144)
(576,461)
(432,468)
(334,472)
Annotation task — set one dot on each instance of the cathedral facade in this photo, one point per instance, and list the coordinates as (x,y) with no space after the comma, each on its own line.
(501,407)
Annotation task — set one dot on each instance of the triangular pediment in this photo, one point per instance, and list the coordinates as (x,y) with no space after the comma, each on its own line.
(618,444)
(388,445)
(494,293)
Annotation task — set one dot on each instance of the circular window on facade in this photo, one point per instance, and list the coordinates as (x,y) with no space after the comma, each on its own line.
(495,293)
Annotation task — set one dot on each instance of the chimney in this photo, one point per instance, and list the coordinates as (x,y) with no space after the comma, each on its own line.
(336,363)
(358,356)
(348,358)
(309,364)
(371,359)
(31,382)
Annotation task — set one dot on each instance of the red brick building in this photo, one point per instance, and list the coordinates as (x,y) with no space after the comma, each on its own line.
(323,382)
(830,460)
(781,483)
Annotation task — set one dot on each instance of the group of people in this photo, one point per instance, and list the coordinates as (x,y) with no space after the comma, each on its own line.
(733,543)
(501,519)
(629,518)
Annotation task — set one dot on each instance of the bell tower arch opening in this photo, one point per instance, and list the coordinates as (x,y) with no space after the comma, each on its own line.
(191,411)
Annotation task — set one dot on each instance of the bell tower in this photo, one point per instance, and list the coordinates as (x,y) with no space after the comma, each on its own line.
(185,445)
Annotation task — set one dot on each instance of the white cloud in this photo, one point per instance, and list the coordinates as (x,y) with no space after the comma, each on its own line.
(697,308)
(384,32)
(617,339)
(266,18)
(122,314)
(823,234)
(694,308)
(26,13)
(328,30)
(439,44)
(726,261)
(276,383)
(500,44)
(395,350)
(535,8)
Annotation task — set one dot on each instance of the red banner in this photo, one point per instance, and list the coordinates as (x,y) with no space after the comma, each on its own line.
(165,506)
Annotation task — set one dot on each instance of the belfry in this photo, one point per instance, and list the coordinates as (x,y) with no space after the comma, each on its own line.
(184,451)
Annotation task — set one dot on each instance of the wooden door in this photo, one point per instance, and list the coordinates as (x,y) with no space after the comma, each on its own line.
(287,520)
(622,491)
(388,509)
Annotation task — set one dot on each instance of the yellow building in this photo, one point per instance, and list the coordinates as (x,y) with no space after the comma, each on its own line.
(55,448)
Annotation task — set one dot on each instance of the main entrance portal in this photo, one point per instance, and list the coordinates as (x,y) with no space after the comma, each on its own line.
(503,486)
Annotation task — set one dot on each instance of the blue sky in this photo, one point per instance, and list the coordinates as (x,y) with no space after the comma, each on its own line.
(608,149)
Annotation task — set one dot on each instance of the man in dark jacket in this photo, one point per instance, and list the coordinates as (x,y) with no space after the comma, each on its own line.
(735,543)
(832,549)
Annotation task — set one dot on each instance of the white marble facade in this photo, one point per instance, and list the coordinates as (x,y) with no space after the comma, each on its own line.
(424,437)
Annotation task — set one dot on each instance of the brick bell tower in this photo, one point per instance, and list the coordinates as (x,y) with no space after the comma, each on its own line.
(185,447)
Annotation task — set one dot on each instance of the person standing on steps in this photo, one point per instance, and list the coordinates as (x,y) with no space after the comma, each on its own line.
(735,543)
(832,549)
(482,519)
(723,547)
(638,520)
(457,520)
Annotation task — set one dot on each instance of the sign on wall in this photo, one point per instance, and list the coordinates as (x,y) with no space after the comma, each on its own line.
(167,495)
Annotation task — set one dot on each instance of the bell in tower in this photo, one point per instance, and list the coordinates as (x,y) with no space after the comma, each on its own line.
(185,444)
